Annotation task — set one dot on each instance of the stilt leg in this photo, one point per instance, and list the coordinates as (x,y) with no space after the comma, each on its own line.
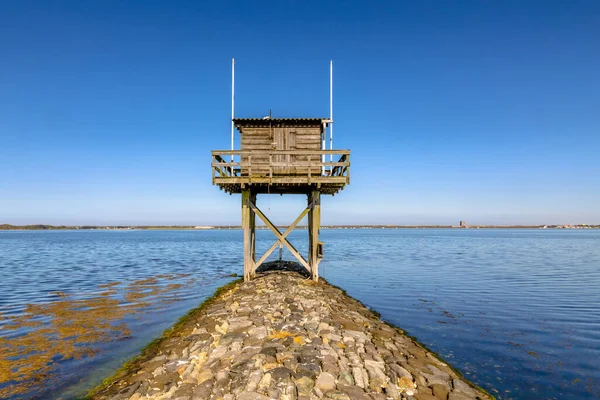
(310,232)
(247,234)
(252,234)
(314,224)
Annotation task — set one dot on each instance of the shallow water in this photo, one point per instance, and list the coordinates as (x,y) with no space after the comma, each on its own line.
(517,311)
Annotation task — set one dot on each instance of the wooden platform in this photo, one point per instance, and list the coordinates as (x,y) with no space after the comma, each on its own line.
(281,171)
(265,169)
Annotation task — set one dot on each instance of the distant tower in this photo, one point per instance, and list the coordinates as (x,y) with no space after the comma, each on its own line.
(463,224)
(281,156)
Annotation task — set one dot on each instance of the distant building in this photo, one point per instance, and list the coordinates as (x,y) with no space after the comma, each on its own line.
(463,224)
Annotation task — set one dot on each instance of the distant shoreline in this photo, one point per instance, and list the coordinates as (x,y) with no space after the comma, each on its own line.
(8,227)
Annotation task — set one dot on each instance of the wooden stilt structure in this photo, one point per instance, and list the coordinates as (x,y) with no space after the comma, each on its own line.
(281,156)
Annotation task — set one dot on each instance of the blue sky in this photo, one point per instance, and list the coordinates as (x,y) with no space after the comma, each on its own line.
(482,111)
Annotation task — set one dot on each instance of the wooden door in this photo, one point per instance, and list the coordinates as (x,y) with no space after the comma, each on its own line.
(283,139)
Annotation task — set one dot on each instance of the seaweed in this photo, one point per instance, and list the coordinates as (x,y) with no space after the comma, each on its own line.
(152,348)
(34,343)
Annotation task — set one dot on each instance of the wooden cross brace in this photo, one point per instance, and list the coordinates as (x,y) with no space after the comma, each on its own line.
(281,237)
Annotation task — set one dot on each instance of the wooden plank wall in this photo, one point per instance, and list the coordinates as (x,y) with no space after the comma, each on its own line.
(260,140)
(308,139)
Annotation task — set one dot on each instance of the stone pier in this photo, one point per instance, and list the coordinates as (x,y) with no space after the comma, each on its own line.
(282,336)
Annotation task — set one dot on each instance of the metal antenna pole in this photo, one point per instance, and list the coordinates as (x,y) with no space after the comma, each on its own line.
(232,101)
(323,146)
(331,109)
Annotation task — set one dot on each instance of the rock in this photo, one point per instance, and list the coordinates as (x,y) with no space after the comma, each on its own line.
(281,373)
(400,371)
(337,395)
(424,396)
(310,370)
(377,385)
(377,378)
(217,352)
(204,375)
(345,378)
(304,385)
(405,383)
(459,396)
(264,382)
(253,380)
(358,377)
(437,372)
(184,391)
(244,311)
(375,364)
(290,392)
(282,337)
(354,392)
(356,335)
(440,391)
(331,368)
(392,391)
(325,382)
(322,326)
(333,338)
(421,381)
(259,332)
(237,324)
(251,396)
(462,387)
(437,379)
(222,329)
(202,391)
(365,377)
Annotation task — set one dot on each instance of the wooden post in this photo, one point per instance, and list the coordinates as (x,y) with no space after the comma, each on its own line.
(252,233)
(314,224)
(310,230)
(247,239)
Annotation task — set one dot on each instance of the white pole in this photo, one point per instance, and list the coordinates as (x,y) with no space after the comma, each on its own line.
(232,101)
(323,145)
(331,109)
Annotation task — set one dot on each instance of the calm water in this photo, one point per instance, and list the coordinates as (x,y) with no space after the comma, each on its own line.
(517,311)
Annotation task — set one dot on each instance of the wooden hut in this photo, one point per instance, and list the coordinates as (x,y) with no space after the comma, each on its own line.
(281,156)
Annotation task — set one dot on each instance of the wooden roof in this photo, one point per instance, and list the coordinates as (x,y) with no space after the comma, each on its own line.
(243,122)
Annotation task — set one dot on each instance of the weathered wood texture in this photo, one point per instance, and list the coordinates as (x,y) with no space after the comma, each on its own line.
(309,171)
(259,141)
(252,223)
(248,225)
(314,224)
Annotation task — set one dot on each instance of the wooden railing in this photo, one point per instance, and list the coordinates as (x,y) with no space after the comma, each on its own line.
(276,163)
